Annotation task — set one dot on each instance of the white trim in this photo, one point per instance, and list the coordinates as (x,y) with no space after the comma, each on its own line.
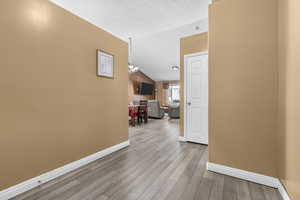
(238,173)
(185,88)
(181,139)
(36,181)
(282,191)
(249,176)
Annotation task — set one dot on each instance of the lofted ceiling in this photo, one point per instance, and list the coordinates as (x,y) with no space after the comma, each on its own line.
(156,54)
(141,19)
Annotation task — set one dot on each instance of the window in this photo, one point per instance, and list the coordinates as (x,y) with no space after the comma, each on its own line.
(175,95)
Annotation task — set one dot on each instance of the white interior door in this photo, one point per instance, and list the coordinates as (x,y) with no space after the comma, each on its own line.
(196,98)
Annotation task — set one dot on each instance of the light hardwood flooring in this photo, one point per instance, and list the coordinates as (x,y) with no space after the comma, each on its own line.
(155,167)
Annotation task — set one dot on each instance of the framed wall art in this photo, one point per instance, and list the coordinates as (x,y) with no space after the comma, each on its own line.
(105,64)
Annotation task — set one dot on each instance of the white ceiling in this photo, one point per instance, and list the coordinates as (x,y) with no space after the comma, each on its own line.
(142,19)
(156,54)
(135,18)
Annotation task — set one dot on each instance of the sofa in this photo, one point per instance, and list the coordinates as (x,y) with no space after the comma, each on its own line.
(154,109)
(174,112)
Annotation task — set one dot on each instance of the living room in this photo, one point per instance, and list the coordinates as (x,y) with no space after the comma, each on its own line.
(161,98)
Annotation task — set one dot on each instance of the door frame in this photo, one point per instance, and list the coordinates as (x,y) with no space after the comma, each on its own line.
(185,90)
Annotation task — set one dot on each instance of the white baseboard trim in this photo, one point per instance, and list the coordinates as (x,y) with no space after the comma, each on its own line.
(245,175)
(36,181)
(283,192)
(249,176)
(182,139)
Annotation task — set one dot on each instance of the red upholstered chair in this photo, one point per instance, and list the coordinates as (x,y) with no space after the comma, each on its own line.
(133,113)
(143,114)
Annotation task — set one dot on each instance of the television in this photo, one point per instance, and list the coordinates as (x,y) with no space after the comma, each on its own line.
(146,89)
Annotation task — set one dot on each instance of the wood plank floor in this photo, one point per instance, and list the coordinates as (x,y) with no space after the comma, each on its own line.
(155,167)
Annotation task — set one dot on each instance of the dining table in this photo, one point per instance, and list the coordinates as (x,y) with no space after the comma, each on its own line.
(138,113)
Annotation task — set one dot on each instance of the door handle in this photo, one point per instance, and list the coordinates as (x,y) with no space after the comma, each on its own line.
(189,103)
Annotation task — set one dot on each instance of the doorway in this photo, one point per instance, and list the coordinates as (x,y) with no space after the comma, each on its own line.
(196,97)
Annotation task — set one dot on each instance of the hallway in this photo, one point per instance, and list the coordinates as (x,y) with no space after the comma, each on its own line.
(155,166)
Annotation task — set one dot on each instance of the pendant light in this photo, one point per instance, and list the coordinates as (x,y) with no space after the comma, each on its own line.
(131,66)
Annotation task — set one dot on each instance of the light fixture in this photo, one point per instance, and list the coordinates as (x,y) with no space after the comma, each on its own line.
(134,69)
(175,68)
(131,66)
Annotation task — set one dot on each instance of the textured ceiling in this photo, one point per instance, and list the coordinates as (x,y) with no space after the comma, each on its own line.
(135,18)
(156,54)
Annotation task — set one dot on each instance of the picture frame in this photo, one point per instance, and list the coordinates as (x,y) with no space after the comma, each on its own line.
(105,64)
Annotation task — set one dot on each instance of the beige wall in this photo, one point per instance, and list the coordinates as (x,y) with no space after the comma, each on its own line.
(245,53)
(188,45)
(243,84)
(133,84)
(289,96)
(53,107)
